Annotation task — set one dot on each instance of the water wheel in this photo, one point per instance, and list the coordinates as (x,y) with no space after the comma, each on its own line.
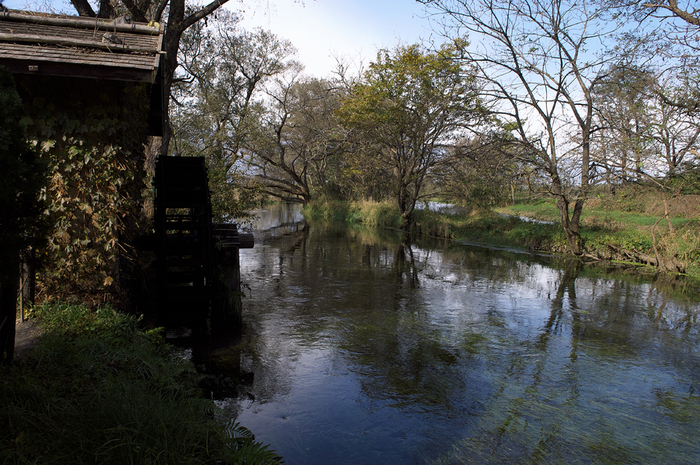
(183,225)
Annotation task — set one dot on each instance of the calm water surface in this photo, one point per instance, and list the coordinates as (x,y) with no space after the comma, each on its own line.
(365,350)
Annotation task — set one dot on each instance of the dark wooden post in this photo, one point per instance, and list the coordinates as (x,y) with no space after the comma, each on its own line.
(227,306)
(9,285)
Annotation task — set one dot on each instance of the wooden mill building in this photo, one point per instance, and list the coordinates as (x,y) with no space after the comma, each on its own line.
(95,82)
(87,49)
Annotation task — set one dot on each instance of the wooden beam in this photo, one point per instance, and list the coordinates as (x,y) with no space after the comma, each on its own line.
(85,23)
(71,42)
(109,73)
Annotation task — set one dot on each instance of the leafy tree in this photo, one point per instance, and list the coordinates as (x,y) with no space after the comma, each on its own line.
(22,176)
(218,101)
(410,107)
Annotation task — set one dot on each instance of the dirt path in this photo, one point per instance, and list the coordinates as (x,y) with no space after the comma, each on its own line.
(27,335)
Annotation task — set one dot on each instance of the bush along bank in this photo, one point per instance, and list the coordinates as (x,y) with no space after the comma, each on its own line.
(98,389)
(641,242)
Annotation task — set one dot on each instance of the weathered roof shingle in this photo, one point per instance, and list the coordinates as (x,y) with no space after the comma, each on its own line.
(56,45)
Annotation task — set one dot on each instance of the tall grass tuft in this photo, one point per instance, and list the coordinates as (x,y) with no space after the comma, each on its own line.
(376,214)
(99,390)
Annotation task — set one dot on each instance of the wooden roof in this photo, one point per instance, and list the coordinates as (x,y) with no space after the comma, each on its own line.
(76,46)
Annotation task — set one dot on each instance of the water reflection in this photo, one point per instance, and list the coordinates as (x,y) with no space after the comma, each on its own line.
(369,350)
(278,219)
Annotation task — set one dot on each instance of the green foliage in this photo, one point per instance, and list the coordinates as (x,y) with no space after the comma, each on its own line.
(99,390)
(375,214)
(544,210)
(92,137)
(229,199)
(408,105)
(248,451)
(336,210)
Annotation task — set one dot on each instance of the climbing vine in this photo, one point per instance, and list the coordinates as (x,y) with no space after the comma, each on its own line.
(91,133)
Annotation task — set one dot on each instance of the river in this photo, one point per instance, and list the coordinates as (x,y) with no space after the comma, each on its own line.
(364,350)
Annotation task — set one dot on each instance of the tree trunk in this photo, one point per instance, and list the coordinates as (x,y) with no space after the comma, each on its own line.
(570,226)
(406,221)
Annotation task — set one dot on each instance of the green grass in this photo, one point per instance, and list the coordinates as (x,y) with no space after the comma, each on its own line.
(377,214)
(100,390)
(543,210)
(546,210)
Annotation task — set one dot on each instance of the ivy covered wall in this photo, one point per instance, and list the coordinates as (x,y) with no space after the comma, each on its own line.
(92,134)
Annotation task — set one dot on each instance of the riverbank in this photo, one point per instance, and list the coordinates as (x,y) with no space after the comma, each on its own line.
(97,388)
(634,232)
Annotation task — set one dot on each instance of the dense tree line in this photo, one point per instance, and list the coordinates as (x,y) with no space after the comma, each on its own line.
(557,97)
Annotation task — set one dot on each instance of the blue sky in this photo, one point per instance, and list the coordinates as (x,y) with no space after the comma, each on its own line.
(319,29)
(323,29)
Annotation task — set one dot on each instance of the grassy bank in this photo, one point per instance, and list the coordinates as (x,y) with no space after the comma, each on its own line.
(100,390)
(612,229)
(485,227)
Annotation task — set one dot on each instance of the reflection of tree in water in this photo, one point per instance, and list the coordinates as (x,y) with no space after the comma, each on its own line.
(401,356)
(535,414)
(524,385)
(519,426)
(382,326)
(405,265)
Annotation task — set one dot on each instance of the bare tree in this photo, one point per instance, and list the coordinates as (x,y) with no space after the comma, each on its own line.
(670,31)
(540,62)
(624,118)
(218,101)
(289,155)
(675,129)
(644,134)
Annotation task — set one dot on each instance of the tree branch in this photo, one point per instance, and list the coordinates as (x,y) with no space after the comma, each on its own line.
(106,9)
(83,8)
(206,11)
(677,11)
(160,10)
(135,11)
